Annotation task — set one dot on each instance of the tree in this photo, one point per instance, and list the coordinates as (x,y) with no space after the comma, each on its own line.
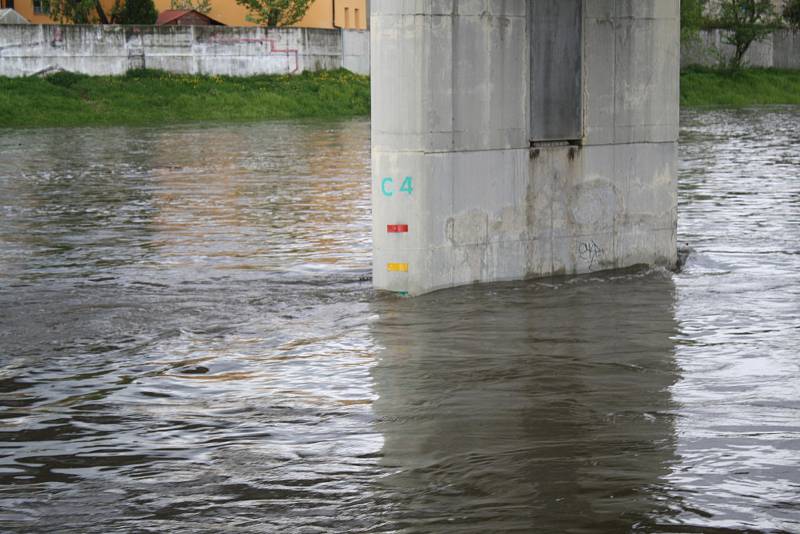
(273,13)
(134,12)
(746,22)
(76,11)
(692,19)
(791,12)
(92,12)
(201,6)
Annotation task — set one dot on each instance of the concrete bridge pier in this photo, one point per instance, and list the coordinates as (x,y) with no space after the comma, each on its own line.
(514,139)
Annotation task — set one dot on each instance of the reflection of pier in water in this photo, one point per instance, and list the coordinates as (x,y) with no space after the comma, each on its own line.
(516,408)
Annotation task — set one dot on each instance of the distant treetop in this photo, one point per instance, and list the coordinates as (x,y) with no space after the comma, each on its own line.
(272,13)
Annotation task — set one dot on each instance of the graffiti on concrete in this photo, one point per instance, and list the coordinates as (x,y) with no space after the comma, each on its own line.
(591,253)
(219,39)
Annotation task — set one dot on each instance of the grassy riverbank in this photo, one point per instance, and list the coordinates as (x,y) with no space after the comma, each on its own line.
(151,97)
(748,87)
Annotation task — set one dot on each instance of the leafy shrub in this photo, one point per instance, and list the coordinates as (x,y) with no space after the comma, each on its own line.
(273,13)
(140,74)
(791,13)
(201,6)
(134,12)
(747,22)
(65,78)
(692,19)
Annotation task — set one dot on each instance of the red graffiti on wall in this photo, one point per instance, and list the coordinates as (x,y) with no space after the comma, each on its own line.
(58,36)
(273,47)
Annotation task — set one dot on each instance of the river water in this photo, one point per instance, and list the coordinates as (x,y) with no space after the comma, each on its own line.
(189,343)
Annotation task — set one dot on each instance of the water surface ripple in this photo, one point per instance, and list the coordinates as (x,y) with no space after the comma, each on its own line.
(189,343)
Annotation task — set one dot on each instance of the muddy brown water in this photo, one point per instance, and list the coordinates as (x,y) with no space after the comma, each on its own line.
(189,343)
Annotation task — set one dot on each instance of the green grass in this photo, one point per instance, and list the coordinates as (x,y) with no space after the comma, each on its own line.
(701,87)
(146,97)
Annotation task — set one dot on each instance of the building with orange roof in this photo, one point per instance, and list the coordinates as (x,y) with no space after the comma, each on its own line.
(346,14)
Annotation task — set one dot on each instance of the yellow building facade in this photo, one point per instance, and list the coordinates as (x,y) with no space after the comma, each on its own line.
(348,14)
(34,10)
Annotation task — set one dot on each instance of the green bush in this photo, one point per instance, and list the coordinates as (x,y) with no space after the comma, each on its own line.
(791,13)
(65,78)
(201,6)
(692,19)
(140,74)
(273,13)
(747,22)
(134,12)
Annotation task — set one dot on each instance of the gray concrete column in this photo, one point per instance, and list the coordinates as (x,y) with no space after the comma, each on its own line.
(464,192)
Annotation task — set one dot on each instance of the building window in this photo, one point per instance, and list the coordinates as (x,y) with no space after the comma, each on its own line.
(347,17)
(39,8)
(356,19)
(556,30)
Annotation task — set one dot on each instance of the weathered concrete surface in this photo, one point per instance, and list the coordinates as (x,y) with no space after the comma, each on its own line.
(786,49)
(355,50)
(780,50)
(112,50)
(452,154)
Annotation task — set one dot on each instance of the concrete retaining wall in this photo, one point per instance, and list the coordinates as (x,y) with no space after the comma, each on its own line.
(355,51)
(111,50)
(786,50)
(779,50)
(104,50)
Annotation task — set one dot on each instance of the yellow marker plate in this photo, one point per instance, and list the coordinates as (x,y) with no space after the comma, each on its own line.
(397,267)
